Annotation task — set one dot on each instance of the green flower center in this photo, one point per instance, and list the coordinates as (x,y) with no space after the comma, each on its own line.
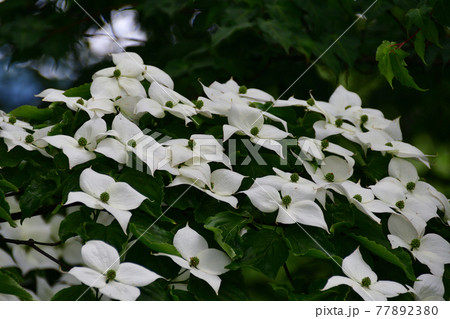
(117,73)
(310,102)
(254,131)
(329,177)
(29,138)
(104,197)
(169,104)
(294,178)
(339,122)
(411,186)
(415,244)
(191,144)
(358,197)
(400,204)
(366,282)
(131,143)
(199,104)
(389,144)
(82,141)
(194,262)
(12,120)
(325,144)
(243,89)
(286,200)
(80,101)
(364,118)
(110,275)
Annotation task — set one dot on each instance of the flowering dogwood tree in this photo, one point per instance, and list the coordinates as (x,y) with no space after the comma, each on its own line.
(124,189)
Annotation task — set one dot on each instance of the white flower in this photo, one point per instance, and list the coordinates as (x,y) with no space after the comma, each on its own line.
(202,262)
(223,184)
(295,205)
(364,199)
(130,138)
(114,279)
(332,170)
(101,191)
(313,148)
(430,249)
(16,136)
(163,100)
(249,121)
(154,74)
(252,95)
(54,95)
(364,281)
(11,119)
(198,147)
(123,79)
(429,288)
(391,191)
(79,149)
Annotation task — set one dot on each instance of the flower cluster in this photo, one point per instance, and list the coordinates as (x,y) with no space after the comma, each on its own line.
(327,167)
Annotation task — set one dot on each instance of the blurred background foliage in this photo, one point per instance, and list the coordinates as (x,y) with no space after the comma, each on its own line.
(266,44)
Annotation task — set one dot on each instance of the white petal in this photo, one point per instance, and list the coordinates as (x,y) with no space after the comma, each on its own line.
(434,251)
(84,198)
(337,281)
(264,197)
(183,263)
(298,192)
(398,242)
(132,86)
(228,131)
(213,280)
(429,287)
(150,106)
(245,118)
(304,212)
(153,73)
(135,275)
(114,149)
(200,172)
(126,129)
(272,132)
(60,141)
(401,227)
(356,268)
(189,243)
(340,168)
(90,130)
(100,256)
(126,56)
(403,170)
(258,95)
(341,98)
(88,276)
(123,196)
(77,155)
(119,291)
(224,198)
(225,182)
(213,261)
(95,183)
(122,216)
(389,190)
(269,144)
(388,288)
(103,87)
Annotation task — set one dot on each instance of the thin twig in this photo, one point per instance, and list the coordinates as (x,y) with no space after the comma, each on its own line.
(32,244)
(288,275)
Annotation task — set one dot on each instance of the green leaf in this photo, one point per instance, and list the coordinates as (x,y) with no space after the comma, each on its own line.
(227,227)
(6,184)
(6,216)
(82,91)
(397,257)
(10,286)
(420,17)
(264,251)
(419,46)
(34,195)
(301,243)
(384,62)
(73,225)
(75,293)
(112,234)
(30,112)
(151,235)
(225,32)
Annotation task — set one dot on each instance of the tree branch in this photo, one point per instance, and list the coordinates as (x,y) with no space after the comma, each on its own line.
(32,244)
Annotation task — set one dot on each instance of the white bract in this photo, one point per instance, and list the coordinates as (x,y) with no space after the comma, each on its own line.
(79,149)
(31,141)
(364,281)
(429,288)
(105,272)
(295,205)
(202,262)
(101,191)
(430,249)
(245,120)
(222,183)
